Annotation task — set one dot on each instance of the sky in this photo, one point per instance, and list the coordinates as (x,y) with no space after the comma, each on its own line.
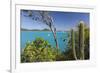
(62,20)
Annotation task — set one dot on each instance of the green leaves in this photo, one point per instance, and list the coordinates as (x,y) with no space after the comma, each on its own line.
(38,50)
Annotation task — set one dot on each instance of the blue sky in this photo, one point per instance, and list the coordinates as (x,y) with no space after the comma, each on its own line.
(61,20)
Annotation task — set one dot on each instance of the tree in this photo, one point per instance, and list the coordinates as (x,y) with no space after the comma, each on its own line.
(43,16)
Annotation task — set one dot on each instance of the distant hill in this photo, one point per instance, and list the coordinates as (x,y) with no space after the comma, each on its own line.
(45,29)
(24,29)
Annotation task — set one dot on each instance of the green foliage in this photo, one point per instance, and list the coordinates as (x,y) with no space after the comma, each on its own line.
(39,50)
(69,55)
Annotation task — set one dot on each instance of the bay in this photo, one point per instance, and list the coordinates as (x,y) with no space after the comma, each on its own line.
(29,36)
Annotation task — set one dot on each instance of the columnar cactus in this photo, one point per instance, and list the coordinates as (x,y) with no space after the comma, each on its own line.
(81,39)
(73,43)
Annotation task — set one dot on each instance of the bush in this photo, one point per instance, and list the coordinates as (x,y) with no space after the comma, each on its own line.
(38,50)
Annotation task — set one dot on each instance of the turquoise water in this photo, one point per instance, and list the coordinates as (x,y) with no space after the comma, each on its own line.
(47,35)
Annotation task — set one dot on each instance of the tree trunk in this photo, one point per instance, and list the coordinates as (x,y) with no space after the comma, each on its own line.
(55,38)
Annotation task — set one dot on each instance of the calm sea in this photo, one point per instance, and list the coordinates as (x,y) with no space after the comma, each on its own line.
(29,36)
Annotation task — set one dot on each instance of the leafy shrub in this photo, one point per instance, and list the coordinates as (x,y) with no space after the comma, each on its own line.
(38,50)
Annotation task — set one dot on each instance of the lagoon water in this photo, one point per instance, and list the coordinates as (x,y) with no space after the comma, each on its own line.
(46,35)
